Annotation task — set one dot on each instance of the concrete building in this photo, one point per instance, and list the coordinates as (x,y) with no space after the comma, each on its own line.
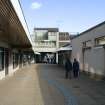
(64,39)
(65,47)
(15,41)
(89,48)
(48,41)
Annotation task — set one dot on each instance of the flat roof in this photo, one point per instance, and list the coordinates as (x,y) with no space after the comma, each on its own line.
(90,29)
(67,48)
(63,32)
(13,24)
(49,29)
(19,12)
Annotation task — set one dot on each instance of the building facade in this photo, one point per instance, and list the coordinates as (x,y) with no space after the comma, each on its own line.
(65,48)
(64,39)
(89,49)
(45,39)
(49,40)
(14,38)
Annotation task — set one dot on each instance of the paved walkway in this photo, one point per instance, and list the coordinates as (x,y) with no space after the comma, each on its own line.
(45,85)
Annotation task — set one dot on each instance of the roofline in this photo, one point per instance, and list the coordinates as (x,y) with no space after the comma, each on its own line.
(64,33)
(90,29)
(26,29)
(24,16)
(29,38)
(67,44)
(45,28)
(51,29)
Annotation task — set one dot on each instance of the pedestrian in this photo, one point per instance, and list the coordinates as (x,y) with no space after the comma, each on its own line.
(68,68)
(75,68)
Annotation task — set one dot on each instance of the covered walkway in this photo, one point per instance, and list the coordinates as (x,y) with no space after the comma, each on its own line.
(45,85)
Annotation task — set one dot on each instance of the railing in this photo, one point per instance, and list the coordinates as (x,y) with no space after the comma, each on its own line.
(44,46)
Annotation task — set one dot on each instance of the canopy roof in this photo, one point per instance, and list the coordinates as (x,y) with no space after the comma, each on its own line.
(65,48)
(13,27)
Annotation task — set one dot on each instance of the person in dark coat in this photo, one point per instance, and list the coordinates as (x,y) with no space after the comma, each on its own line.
(75,68)
(68,68)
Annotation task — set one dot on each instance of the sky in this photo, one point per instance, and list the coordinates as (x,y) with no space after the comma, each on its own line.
(68,15)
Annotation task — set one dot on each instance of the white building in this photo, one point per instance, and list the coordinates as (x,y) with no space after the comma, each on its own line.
(89,49)
(49,40)
(46,39)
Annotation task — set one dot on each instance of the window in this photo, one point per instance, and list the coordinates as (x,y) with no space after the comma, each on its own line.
(1,59)
(41,35)
(100,41)
(64,36)
(52,36)
(87,44)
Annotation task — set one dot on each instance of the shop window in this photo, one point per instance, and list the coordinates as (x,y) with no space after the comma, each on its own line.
(100,41)
(15,60)
(1,59)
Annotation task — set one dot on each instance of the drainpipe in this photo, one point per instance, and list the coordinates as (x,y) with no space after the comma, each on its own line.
(83,51)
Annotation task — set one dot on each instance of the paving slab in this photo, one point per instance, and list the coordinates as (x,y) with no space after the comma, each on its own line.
(44,84)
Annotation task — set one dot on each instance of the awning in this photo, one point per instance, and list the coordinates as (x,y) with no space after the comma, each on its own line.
(65,49)
(13,27)
(37,53)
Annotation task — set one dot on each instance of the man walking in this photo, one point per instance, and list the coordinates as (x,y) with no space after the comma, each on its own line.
(68,68)
(75,68)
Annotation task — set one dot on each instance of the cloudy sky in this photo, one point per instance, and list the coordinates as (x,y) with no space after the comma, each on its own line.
(69,15)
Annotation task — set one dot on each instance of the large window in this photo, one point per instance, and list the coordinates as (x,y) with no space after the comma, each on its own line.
(1,59)
(64,36)
(52,36)
(100,41)
(41,35)
(15,60)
